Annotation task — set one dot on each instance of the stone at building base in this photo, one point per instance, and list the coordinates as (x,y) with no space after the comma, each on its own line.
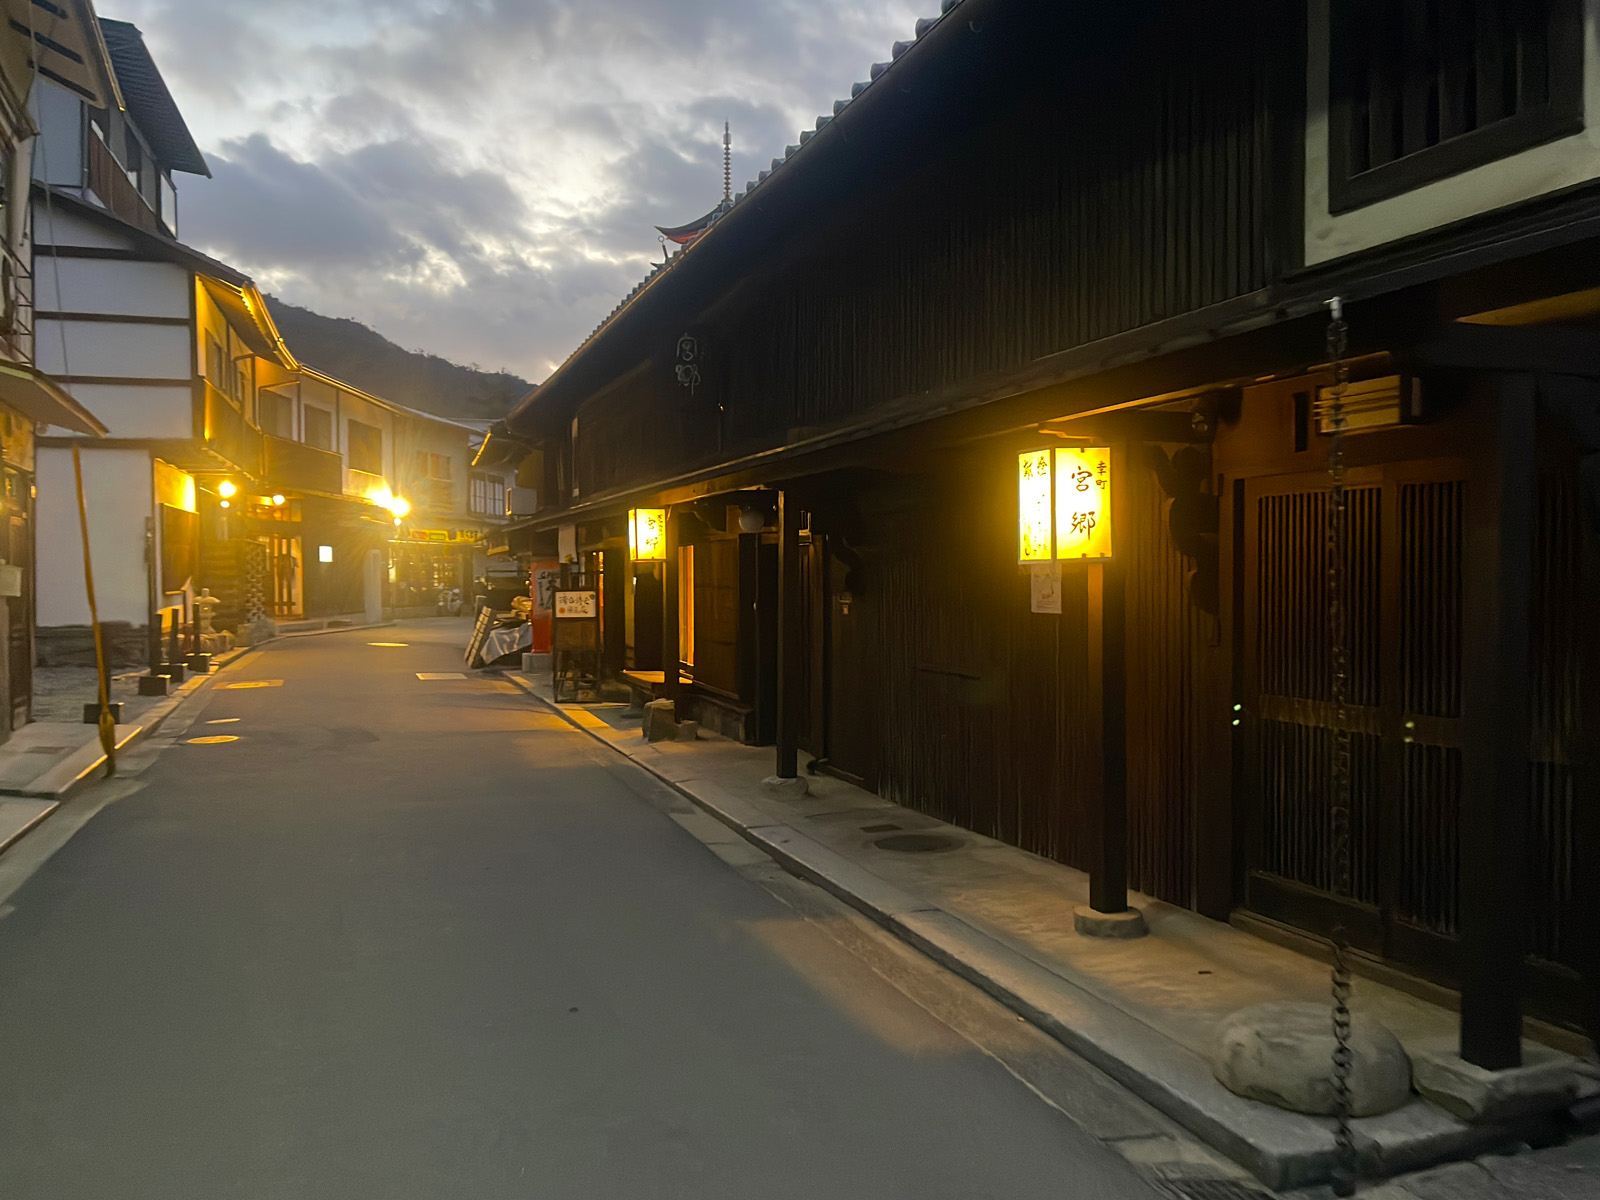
(256,632)
(216,643)
(155,685)
(1282,1054)
(688,731)
(1548,1080)
(91,712)
(785,789)
(536,664)
(1124,925)
(73,645)
(660,721)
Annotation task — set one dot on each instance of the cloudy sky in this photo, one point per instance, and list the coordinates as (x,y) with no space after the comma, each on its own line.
(481,178)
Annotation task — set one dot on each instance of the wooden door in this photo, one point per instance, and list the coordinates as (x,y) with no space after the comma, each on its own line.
(1404,581)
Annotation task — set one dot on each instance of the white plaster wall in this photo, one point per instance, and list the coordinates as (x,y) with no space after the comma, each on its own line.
(137,411)
(108,348)
(117,489)
(53,227)
(138,289)
(59,115)
(1494,185)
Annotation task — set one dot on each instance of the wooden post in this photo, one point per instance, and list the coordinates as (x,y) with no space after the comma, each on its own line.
(1108,848)
(1586,750)
(789,664)
(670,650)
(1494,776)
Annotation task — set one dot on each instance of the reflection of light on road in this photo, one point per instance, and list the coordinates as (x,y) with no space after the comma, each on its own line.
(224,721)
(440,675)
(854,989)
(213,740)
(255,683)
(388,643)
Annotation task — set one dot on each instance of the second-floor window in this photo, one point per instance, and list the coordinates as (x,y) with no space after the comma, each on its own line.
(434,466)
(277,414)
(319,427)
(216,364)
(366,447)
(1419,91)
(488,495)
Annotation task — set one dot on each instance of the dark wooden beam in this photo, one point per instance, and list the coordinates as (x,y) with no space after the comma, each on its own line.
(789,661)
(1557,349)
(1495,783)
(747,637)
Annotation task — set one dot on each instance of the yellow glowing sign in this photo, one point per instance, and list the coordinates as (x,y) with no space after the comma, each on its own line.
(1083,502)
(647,534)
(1033,507)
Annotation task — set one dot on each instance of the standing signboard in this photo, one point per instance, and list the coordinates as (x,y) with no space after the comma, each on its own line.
(575,644)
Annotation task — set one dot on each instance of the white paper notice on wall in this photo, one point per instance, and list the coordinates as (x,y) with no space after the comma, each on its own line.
(1045,585)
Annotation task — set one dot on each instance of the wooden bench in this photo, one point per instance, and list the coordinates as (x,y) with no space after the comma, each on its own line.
(645,686)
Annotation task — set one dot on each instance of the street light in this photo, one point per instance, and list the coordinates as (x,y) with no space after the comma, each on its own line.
(227,489)
(277,500)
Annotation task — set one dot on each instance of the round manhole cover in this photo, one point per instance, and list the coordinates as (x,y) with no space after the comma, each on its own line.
(916,843)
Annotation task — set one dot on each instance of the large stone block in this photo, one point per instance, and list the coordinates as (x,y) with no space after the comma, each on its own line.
(783,788)
(1546,1081)
(1282,1054)
(660,721)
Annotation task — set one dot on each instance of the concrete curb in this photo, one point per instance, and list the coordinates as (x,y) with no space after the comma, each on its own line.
(1282,1149)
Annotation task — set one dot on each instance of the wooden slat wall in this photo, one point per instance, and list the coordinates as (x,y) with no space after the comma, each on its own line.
(985,715)
(1046,234)
(1164,184)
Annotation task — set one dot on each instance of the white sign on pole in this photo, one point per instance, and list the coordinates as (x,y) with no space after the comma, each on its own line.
(1045,585)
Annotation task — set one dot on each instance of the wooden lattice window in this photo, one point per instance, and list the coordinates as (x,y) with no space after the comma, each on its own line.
(1423,89)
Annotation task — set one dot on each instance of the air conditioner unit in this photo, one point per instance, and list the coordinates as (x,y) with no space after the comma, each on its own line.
(522,501)
(1371,404)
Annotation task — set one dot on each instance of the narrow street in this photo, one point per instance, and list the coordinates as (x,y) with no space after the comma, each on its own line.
(416,937)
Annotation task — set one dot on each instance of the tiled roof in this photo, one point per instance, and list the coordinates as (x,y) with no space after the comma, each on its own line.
(923,27)
(148,100)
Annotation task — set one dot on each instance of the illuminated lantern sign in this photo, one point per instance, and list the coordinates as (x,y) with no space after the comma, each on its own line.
(1064,504)
(1033,507)
(1083,502)
(647,534)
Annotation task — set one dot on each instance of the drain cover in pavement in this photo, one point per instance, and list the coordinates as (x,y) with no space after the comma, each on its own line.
(1211,1189)
(916,843)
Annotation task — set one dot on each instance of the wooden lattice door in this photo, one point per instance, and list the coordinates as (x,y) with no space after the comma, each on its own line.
(1404,579)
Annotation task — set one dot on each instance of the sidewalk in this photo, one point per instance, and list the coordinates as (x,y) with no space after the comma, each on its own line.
(42,763)
(1143,1011)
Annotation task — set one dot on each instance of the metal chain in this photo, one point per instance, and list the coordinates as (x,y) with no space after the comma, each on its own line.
(1345,1165)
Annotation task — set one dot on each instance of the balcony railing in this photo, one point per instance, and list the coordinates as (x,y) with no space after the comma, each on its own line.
(297,467)
(110,182)
(228,434)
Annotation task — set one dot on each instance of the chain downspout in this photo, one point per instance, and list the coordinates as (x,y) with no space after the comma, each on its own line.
(1345,1160)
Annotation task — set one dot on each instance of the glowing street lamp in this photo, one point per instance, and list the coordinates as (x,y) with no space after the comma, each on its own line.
(647,534)
(227,489)
(1064,504)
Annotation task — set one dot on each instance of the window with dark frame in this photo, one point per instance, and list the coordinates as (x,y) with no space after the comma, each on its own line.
(366,447)
(1423,89)
(277,414)
(488,495)
(318,427)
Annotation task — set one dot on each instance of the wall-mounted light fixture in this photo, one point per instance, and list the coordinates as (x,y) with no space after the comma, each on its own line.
(1064,504)
(647,534)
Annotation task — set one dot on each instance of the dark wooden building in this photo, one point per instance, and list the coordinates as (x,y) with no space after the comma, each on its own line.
(1043,224)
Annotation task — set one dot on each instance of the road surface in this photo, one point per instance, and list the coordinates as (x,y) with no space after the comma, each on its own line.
(417,938)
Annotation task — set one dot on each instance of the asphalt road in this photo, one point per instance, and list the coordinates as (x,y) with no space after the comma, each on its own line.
(412,938)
